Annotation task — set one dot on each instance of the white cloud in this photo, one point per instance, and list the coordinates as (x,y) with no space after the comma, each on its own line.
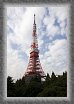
(56,58)
(15,65)
(59,13)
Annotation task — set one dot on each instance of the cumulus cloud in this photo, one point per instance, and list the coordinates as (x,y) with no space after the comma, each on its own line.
(56,20)
(56,57)
(51,22)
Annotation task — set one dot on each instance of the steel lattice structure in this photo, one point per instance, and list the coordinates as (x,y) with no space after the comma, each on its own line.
(34,66)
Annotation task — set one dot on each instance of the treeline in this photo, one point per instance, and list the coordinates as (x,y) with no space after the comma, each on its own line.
(52,86)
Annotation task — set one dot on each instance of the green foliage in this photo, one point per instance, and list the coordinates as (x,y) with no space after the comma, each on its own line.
(10,87)
(52,86)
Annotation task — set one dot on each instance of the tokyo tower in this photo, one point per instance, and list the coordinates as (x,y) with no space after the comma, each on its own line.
(34,65)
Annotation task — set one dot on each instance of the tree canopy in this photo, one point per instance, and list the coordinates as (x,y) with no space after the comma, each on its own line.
(52,86)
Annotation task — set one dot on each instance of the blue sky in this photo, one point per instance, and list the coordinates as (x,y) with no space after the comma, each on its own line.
(52,32)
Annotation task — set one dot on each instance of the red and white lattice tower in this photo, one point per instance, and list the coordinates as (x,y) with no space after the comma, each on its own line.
(34,66)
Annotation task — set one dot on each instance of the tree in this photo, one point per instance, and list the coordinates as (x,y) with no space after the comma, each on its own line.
(47,80)
(10,87)
(47,77)
(53,76)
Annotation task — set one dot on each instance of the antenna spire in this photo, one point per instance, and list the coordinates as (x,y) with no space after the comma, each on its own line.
(34,18)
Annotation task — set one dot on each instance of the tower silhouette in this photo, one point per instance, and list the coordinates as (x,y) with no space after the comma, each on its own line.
(34,66)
